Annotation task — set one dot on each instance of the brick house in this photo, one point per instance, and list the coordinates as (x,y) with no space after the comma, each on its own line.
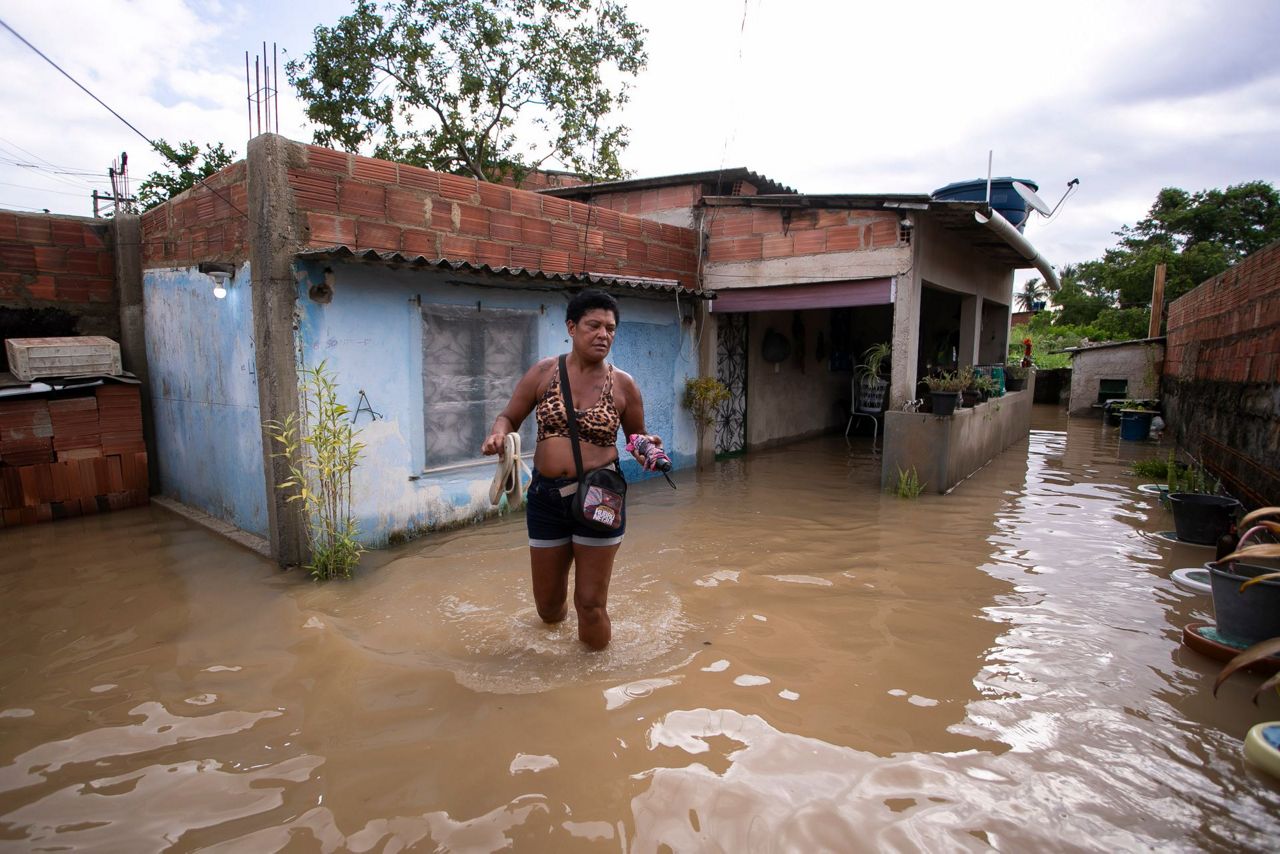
(428,293)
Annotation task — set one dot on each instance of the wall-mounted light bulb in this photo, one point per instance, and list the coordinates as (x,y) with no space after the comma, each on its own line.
(219,283)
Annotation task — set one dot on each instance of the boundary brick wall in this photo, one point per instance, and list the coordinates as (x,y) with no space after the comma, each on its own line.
(1221,382)
(363,203)
(755,234)
(200,224)
(56,262)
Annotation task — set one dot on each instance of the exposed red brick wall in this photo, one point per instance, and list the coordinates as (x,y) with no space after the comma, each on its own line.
(758,233)
(363,203)
(55,261)
(1228,328)
(209,222)
(643,203)
(1222,372)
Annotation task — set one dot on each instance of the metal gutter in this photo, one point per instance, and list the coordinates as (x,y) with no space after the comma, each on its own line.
(1010,235)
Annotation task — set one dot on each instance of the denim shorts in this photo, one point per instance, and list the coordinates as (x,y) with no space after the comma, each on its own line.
(549,516)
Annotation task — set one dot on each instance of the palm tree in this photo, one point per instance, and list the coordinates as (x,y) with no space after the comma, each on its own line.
(1033,291)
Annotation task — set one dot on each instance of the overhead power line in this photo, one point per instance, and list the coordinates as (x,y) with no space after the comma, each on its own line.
(126,122)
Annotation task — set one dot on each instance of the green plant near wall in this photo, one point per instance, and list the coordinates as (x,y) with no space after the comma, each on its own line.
(319,443)
(1192,478)
(703,397)
(909,485)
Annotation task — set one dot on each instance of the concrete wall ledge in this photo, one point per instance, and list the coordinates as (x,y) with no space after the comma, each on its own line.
(945,451)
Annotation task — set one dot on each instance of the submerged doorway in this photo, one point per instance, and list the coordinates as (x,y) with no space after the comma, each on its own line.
(731,369)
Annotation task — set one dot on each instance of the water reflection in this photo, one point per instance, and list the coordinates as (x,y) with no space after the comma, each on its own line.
(800,663)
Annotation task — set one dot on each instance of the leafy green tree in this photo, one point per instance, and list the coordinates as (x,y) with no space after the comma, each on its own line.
(187,165)
(486,88)
(1033,291)
(1196,235)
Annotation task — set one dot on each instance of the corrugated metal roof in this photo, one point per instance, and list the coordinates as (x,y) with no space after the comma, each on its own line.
(397,259)
(718,176)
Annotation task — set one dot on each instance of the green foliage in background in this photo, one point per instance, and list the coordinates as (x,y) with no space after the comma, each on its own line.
(703,397)
(486,89)
(319,443)
(187,166)
(1196,235)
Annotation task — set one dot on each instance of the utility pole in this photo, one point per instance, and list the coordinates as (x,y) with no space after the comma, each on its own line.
(1157,302)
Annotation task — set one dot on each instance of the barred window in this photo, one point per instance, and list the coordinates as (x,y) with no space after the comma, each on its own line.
(471,362)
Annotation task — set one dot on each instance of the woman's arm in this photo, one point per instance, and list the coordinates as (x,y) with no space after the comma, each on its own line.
(523,400)
(631,413)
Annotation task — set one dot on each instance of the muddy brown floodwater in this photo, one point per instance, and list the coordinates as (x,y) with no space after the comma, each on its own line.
(799,663)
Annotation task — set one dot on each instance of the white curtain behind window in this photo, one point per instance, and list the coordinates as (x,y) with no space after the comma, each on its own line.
(472,360)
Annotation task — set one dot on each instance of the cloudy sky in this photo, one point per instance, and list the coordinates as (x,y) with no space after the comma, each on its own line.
(827,96)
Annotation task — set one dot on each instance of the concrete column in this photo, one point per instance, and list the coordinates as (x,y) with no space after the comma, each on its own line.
(906,333)
(273,241)
(126,244)
(970,330)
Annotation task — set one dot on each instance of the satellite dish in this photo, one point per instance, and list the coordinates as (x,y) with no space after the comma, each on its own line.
(1029,195)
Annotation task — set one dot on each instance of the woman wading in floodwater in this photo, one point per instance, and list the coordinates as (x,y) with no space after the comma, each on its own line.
(556,540)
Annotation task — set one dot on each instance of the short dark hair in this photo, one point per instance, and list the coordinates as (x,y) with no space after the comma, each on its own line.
(586,300)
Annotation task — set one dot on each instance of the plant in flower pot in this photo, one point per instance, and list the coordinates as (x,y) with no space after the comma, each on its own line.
(945,389)
(1015,377)
(1200,514)
(986,386)
(870,375)
(1249,606)
(969,394)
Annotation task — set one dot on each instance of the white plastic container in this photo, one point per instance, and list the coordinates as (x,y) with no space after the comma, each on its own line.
(32,358)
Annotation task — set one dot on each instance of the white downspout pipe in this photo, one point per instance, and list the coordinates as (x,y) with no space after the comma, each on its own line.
(1010,235)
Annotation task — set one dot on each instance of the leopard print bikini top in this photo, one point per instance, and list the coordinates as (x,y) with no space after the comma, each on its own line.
(597,425)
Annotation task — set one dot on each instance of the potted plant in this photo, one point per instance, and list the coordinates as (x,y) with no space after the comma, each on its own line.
(1015,377)
(969,394)
(1262,743)
(986,387)
(703,397)
(945,388)
(1246,593)
(870,375)
(1200,514)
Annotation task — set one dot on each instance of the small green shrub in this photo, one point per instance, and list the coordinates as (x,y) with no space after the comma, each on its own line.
(319,444)
(909,485)
(1153,467)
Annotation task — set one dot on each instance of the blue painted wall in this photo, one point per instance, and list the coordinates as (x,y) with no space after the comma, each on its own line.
(370,336)
(204,394)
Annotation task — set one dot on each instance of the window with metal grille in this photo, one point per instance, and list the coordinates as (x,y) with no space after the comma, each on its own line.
(1112,390)
(471,362)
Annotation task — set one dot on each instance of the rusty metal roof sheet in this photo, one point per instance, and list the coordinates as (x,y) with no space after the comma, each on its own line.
(397,259)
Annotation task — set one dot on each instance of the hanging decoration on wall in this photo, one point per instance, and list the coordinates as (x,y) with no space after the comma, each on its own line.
(775,348)
(841,349)
(797,335)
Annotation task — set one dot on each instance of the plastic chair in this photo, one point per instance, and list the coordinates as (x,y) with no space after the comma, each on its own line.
(868,402)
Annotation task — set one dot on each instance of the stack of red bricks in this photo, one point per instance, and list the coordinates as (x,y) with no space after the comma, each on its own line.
(71,456)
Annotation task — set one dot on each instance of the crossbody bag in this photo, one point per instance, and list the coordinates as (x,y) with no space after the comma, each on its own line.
(601,492)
